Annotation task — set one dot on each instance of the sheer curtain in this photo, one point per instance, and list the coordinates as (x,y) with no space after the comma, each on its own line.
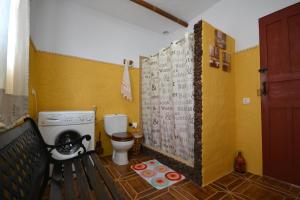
(14,60)
(168,100)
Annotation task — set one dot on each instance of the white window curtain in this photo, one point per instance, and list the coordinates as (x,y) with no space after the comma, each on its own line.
(14,60)
(168,100)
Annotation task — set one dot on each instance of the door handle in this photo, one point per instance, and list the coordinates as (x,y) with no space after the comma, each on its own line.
(264,88)
(263,70)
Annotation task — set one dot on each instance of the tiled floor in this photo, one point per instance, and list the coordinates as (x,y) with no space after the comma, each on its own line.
(232,186)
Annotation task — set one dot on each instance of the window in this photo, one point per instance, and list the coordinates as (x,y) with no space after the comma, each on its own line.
(14,60)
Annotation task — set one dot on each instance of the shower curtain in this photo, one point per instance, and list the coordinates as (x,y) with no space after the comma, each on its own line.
(168,99)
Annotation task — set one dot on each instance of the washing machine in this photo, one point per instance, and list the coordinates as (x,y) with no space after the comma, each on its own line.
(66,126)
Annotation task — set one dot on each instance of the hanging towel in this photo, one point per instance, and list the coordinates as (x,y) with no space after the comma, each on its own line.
(126,86)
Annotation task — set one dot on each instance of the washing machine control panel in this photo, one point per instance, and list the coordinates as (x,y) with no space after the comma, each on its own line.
(78,119)
(63,118)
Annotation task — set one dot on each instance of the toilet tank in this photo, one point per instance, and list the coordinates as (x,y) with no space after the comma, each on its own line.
(115,123)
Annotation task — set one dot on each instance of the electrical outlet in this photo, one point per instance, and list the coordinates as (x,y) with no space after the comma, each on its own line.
(246,100)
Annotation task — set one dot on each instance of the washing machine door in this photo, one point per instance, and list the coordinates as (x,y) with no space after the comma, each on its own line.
(55,135)
(66,137)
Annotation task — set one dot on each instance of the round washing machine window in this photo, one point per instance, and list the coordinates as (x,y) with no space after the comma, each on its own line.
(65,137)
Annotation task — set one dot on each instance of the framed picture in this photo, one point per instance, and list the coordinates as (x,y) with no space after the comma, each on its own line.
(214,53)
(220,39)
(226,61)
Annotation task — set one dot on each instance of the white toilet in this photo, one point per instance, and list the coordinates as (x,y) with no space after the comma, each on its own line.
(115,125)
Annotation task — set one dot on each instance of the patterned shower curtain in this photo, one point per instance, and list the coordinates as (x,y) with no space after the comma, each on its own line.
(14,59)
(168,99)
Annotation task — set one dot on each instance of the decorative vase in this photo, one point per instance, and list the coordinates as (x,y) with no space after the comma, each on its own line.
(240,163)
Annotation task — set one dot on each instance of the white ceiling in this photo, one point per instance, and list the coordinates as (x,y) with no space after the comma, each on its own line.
(140,16)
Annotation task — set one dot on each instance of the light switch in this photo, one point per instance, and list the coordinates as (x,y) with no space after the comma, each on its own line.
(246,100)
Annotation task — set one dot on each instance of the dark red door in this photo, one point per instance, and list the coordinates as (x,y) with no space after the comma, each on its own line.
(280,76)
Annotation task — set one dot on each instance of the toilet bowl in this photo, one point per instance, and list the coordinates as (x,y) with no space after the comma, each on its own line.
(116,127)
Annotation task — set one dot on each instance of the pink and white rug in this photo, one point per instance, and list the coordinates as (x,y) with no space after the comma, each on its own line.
(157,174)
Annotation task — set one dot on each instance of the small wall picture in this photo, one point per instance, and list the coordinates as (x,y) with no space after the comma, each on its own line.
(226,61)
(214,53)
(220,39)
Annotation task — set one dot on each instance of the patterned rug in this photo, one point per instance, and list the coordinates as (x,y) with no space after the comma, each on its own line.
(157,174)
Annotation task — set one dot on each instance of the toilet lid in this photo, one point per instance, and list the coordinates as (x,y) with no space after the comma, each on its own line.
(126,136)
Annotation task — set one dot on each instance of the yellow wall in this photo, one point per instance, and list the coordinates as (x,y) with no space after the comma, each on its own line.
(248,123)
(32,55)
(64,82)
(69,83)
(218,131)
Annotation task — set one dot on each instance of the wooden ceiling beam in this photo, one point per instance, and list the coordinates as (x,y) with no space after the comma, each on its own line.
(161,12)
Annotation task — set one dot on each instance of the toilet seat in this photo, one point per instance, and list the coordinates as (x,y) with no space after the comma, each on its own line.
(122,137)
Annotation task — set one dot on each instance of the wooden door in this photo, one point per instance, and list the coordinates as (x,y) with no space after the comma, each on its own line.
(280,76)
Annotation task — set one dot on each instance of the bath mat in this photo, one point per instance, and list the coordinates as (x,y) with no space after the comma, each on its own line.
(157,174)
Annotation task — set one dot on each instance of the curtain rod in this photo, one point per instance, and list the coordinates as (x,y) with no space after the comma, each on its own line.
(164,49)
(130,62)
(178,41)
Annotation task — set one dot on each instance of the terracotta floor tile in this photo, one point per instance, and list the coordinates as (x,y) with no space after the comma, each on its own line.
(125,194)
(231,197)
(166,196)
(272,182)
(193,191)
(217,195)
(277,185)
(118,172)
(180,183)
(295,190)
(226,180)
(235,184)
(137,187)
(163,194)
(255,191)
(246,175)
(106,160)
(232,186)
(229,182)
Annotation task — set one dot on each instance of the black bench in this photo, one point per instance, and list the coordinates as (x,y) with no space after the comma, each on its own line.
(24,169)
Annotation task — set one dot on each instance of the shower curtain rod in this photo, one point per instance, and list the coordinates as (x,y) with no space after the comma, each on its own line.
(164,49)
(190,34)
